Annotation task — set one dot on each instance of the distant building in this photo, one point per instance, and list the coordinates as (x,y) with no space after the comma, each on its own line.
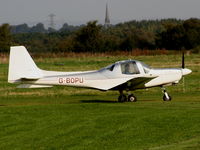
(107,18)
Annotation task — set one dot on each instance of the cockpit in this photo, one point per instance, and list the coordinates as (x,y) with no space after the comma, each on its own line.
(129,67)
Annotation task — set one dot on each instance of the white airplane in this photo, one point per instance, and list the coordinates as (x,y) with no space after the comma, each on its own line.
(127,75)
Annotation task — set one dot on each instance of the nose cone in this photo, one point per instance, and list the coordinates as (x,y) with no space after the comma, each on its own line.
(186,71)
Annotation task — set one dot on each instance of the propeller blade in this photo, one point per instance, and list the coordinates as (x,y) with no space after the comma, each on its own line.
(183,61)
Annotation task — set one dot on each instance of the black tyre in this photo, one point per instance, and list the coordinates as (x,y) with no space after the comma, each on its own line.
(132,98)
(122,98)
(167,99)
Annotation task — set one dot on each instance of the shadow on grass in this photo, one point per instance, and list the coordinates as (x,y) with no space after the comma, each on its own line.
(151,100)
(97,101)
(109,101)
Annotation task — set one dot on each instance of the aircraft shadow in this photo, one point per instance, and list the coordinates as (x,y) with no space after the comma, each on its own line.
(97,101)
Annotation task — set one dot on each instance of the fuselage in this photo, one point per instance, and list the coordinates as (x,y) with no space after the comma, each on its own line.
(122,76)
(104,78)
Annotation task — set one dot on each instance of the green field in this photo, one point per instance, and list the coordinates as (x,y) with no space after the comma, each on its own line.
(76,118)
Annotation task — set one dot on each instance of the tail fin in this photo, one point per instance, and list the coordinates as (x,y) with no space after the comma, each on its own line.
(21,65)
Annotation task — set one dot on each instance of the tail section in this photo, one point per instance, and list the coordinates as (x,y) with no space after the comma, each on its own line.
(22,66)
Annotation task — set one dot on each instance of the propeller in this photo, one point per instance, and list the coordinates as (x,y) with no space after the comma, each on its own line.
(184,70)
(183,66)
(183,60)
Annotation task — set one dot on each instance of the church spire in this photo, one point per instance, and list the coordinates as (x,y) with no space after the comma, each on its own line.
(107,19)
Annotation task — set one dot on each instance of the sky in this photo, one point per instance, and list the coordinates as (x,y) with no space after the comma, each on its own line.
(76,12)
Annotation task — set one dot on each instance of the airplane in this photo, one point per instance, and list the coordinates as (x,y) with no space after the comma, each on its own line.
(126,75)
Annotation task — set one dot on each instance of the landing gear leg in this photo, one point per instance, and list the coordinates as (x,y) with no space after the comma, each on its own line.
(122,97)
(166,96)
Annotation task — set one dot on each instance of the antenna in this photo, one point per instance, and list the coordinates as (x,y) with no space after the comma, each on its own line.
(52,24)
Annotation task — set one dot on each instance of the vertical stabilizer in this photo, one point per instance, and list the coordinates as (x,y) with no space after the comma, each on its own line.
(21,65)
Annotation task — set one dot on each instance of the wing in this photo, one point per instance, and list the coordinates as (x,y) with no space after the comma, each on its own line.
(106,84)
(133,84)
(122,83)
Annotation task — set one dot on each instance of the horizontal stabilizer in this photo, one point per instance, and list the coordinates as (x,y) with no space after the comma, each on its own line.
(33,86)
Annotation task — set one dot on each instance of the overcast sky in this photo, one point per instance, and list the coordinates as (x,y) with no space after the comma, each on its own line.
(81,11)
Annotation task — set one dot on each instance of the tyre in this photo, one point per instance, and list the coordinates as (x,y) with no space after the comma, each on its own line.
(132,98)
(167,99)
(122,98)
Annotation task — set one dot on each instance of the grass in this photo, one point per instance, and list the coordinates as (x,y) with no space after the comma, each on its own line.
(76,118)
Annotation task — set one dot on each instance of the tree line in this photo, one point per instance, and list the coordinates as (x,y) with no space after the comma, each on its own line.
(170,34)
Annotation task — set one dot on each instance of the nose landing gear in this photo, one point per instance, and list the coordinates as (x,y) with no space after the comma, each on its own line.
(166,96)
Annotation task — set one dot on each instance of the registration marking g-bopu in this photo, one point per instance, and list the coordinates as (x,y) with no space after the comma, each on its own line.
(70,80)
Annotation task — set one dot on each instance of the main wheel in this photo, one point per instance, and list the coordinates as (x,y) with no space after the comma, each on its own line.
(132,98)
(167,99)
(122,98)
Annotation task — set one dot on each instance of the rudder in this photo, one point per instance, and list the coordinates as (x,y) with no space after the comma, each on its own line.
(21,65)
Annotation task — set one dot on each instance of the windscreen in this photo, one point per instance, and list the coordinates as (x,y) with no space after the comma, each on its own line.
(145,67)
(129,68)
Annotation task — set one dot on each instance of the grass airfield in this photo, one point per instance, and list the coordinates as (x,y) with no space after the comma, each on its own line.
(75,118)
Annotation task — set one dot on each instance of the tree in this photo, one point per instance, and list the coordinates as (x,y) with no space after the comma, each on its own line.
(128,43)
(192,28)
(181,36)
(88,38)
(22,28)
(68,28)
(39,28)
(5,38)
(66,45)
(172,38)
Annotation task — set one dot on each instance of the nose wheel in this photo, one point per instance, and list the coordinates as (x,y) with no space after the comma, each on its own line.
(166,96)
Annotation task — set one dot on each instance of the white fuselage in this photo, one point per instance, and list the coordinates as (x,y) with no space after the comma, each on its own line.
(123,75)
(105,78)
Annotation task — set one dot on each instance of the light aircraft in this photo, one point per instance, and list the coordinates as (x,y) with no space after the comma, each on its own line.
(127,75)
